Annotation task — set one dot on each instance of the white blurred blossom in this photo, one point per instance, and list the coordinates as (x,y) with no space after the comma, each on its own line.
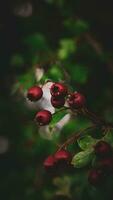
(49,133)
(39,72)
(45,101)
(23,10)
(63,121)
(4,144)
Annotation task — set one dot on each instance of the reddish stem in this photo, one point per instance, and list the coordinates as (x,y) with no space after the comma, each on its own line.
(74,137)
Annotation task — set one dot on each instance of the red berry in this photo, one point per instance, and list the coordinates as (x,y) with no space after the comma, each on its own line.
(95,177)
(106,164)
(102,148)
(62,155)
(43,117)
(58,90)
(49,162)
(76,100)
(34,93)
(57,102)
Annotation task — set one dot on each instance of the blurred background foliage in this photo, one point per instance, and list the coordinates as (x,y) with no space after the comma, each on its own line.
(71,41)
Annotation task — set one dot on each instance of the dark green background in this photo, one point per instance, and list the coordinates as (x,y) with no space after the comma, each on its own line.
(21,171)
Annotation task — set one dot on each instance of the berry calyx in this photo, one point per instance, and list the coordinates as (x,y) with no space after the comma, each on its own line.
(49,162)
(76,100)
(62,155)
(57,102)
(34,93)
(43,117)
(58,90)
(95,177)
(106,164)
(103,149)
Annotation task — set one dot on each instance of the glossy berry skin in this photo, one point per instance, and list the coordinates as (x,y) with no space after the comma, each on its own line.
(49,162)
(62,155)
(76,100)
(43,117)
(106,164)
(34,93)
(57,102)
(102,149)
(95,177)
(58,90)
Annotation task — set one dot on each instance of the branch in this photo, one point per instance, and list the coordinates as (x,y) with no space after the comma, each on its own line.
(75,137)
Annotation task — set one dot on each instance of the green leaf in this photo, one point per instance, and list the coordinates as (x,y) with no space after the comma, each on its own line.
(67,47)
(36,42)
(76,27)
(57,117)
(82,159)
(86,142)
(81,26)
(81,73)
(55,73)
(109,138)
(27,80)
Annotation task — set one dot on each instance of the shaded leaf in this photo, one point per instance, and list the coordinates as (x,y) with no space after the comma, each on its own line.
(86,142)
(36,41)
(81,73)
(109,138)
(76,26)
(27,80)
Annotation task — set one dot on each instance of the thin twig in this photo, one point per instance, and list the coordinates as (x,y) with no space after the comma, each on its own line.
(92,116)
(74,137)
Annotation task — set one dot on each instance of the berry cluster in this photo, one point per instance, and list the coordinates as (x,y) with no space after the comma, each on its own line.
(76,103)
(104,164)
(60,157)
(58,92)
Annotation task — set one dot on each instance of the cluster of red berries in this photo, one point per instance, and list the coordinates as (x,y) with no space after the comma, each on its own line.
(58,92)
(60,157)
(104,164)
(103,151)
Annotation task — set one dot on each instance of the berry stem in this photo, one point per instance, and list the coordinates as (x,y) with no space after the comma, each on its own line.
(63,109)
(93,117)
(96,119)
(74,137)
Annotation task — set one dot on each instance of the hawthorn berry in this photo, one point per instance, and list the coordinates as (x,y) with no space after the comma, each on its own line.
(43,117)
(62,155)
(103,149)
(95,177)
(34,93)
(57,102)
(106,164)
(76,100)
(49,162)
(58,90)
